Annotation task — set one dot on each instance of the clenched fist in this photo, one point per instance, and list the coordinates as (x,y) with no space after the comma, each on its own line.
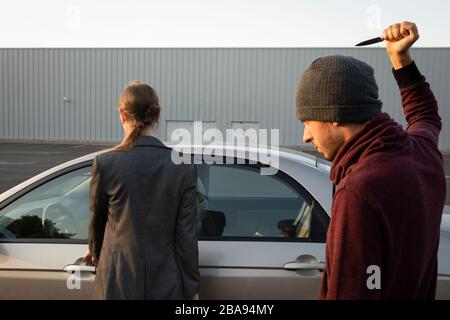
(399,38)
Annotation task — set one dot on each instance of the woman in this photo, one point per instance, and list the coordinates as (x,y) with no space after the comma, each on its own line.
(143,226)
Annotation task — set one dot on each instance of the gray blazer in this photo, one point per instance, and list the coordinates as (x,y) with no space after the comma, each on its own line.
(143,228)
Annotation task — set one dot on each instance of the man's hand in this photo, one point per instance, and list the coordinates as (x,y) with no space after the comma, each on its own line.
(399,38)
(89,259)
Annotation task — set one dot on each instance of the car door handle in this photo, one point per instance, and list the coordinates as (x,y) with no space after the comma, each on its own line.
(304,266)
(72,268)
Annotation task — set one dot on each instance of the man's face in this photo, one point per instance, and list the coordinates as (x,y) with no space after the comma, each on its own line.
(326,137)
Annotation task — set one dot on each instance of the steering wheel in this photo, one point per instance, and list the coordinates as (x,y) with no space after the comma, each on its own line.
(56,211)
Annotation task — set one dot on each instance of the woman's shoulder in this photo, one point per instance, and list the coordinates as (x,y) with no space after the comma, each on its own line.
(112,156)
(170,157)
(107,157)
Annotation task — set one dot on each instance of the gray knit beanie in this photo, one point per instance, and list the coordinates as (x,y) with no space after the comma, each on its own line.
(338,89)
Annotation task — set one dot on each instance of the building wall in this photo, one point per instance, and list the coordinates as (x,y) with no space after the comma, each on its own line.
(221,86)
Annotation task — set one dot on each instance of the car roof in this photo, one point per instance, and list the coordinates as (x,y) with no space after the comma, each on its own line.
(219,150)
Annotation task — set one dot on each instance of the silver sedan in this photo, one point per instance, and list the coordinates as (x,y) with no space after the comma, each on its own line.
(260,236)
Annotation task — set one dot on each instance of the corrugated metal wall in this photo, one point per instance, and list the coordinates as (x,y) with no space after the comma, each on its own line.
(218,85)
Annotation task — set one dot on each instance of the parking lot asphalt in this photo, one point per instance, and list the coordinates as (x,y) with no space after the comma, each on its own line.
(20,161)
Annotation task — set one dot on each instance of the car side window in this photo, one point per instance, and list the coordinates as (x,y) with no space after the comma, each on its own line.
(57,209)
(235,201)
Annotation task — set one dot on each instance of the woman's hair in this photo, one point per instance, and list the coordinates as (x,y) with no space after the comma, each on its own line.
(140,103)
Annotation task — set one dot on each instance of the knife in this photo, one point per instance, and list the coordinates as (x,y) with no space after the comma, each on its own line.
(370,41)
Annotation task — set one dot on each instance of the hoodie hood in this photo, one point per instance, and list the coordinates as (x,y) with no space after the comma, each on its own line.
(380,133)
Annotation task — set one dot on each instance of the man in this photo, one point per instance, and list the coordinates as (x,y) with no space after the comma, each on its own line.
(389,182)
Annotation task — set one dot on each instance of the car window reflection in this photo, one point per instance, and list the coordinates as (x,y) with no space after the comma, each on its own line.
(58,209)
(236,201)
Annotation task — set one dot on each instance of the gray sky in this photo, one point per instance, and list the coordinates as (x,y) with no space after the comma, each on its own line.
(215,23)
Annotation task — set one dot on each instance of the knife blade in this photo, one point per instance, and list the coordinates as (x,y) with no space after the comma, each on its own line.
(370,41)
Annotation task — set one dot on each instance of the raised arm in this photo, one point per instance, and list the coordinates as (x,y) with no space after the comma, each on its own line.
(419,104)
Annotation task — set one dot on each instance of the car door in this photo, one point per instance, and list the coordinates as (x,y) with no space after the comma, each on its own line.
(43,233)
(261,236)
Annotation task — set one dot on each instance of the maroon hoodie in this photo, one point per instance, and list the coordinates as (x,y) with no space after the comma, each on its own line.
(387,207)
